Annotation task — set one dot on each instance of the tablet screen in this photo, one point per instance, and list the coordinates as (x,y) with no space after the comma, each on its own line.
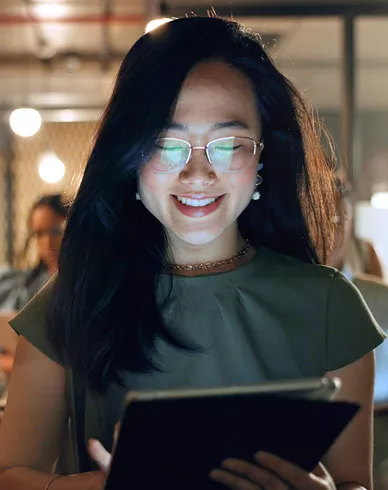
(175,441)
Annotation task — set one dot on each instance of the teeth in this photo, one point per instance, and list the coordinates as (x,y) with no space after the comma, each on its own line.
(195,202)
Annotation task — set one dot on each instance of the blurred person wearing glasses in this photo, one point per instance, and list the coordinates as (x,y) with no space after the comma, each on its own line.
(192,258)
(45,223)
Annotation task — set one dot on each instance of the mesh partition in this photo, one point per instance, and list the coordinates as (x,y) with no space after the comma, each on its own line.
(71,142)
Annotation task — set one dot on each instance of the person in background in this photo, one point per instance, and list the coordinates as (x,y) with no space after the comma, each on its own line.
(352,255)
(191,259)
(45,223)
(375,293)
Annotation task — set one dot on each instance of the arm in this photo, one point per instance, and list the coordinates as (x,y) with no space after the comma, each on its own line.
(349,461)
(8,338)
(374,266)
(348,464)
(6,362)
(34,422)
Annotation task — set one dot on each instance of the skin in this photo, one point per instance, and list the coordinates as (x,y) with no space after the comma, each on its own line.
(36,408)
(43,223)
(213,93)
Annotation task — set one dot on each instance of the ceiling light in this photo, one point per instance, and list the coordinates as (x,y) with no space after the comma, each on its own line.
(51,169)
(153,24)
(25,121)
(379,200)
(51,10)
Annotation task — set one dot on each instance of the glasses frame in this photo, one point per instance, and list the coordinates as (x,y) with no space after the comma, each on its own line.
(257,144)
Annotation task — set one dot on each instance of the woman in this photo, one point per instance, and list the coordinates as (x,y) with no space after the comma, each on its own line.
(45,223)
(190,259)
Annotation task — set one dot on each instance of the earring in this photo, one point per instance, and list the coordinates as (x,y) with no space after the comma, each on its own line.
(259,179)
(138,198)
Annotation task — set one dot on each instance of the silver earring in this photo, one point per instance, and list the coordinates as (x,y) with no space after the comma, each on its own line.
(138,198)
(259,179)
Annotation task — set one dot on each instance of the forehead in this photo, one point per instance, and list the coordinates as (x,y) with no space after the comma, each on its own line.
(43,215)
(214,91)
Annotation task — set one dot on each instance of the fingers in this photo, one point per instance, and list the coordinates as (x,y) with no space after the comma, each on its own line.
(321,471)
(116,435)
(232,481)
(294,475)
(271,473)
(100,455)
(241,475)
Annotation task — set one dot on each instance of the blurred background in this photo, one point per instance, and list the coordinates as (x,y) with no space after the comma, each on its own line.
(58,59)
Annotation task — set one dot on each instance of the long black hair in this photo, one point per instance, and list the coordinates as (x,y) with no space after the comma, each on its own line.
(104,317)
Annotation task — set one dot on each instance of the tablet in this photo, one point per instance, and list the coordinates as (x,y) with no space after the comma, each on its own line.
(173,439)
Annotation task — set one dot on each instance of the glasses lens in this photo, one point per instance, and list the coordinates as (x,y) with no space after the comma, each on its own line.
(170,155)
(231,154)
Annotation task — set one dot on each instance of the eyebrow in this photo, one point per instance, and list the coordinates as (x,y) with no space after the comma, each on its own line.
(214,127)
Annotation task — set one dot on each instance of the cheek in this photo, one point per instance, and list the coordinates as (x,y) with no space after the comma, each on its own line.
(151,183)
(243,182)
(153,189)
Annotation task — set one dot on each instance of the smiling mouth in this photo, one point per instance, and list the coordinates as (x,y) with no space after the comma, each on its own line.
(197,203)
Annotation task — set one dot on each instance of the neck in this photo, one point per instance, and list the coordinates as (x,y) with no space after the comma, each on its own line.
(221,248)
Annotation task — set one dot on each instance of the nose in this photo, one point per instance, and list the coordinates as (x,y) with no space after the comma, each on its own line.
(198,171)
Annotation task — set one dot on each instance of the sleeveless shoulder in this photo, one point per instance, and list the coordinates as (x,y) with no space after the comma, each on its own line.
(30,322)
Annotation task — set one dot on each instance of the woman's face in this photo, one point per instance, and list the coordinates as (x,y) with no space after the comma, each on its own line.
(215,101)
(46,228)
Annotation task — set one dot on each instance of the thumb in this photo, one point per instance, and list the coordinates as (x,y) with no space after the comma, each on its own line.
(100,455)
(321,472)
(116,434)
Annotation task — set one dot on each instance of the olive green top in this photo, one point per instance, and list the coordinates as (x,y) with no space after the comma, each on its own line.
(272,318)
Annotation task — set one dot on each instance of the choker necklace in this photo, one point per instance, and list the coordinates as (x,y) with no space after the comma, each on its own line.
(168,267)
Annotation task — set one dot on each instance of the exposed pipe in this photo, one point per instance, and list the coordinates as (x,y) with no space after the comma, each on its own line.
(9,19)
(349,116)
(283,8)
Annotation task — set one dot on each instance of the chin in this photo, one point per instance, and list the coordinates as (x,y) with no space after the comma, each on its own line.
(199,238)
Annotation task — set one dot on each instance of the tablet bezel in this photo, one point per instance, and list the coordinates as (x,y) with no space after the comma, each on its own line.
(323,388)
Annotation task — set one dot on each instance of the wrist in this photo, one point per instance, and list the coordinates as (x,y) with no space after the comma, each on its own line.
(91,480)
(51,482)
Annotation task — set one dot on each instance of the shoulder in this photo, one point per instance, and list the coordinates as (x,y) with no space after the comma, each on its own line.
(294,269)
(332,301)
(30,322)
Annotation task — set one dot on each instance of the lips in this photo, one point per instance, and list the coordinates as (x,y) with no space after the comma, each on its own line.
(197,206)
(196,202)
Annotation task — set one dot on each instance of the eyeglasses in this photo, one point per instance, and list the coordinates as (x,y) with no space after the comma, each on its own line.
(229,154)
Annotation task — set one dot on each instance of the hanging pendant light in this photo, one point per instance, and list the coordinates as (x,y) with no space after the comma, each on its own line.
(25,121)
(51,168)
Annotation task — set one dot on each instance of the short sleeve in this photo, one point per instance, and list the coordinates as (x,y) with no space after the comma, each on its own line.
(30,322)
(351,329)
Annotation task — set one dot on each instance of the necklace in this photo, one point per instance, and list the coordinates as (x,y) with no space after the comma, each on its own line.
(209,265)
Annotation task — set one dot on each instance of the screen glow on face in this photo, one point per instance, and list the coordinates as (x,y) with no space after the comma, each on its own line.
(228,154)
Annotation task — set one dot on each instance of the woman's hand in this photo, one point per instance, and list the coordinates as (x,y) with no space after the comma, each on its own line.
(99,454)
(271,473)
